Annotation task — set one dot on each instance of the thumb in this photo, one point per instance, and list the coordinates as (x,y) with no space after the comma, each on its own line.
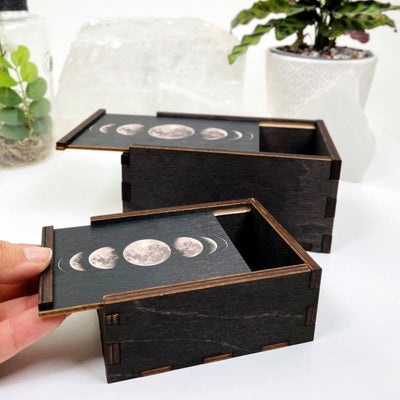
(20,263)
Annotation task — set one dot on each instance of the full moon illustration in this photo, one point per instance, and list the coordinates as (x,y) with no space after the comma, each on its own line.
(212,244)
(129,129)
(76,262)
(171,131)
(104,128)
(104,258)
(147,252)
(188,247)
(238,135)
(214,133)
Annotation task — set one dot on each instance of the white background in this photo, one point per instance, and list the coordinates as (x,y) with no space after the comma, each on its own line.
(356,351)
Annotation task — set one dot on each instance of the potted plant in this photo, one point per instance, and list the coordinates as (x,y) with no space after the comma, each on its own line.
(313,62)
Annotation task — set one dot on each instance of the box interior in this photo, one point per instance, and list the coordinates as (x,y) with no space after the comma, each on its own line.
(296,139)
(257,242)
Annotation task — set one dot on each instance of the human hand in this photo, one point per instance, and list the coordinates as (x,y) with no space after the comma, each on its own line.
(20,325)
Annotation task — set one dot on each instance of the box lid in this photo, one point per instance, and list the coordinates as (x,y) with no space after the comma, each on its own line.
(164,250)
(103,131)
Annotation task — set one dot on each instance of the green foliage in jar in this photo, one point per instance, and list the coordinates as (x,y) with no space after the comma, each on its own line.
(24,110)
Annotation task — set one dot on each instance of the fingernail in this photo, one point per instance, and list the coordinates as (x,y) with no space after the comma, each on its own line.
(38,254)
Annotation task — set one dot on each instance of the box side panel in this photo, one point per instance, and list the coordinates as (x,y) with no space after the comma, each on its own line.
(296,191)
(184,329)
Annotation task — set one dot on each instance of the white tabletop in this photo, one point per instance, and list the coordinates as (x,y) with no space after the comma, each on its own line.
(355,352)
(356,348)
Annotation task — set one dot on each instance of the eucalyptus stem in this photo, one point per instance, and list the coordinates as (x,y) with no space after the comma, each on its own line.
(25,102)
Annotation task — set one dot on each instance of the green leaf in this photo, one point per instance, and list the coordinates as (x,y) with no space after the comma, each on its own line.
(293,24)
(12,116)
(29,72)
(42,125)
(363,8)
(15,132)
(283,28)
(9,97)
(251,39)
(6,80)
(20,56)
(40,108)
(262,9)
(358,23)
(5,63)
(36,89)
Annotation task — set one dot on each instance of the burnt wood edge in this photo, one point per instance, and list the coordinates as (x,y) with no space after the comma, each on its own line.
(79,147)
(229,117)
(334,154)
(205,360)
(311,316)
(295,246)
(235,153)
(326,243)
(63,143)
(45,300)
(330,207)
(168,210)
(155,371)
(140,294)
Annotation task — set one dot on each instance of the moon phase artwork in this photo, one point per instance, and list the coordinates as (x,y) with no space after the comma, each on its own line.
(91,261)
(120,131)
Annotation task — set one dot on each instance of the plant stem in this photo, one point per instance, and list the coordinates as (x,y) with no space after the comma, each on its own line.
(25,102)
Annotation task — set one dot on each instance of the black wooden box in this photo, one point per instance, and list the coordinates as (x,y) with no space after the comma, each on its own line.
(256,290)
(291,166)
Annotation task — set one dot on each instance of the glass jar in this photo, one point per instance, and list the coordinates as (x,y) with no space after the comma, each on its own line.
(26,90)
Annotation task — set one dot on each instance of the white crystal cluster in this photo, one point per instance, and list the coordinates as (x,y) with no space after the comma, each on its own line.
(140,66)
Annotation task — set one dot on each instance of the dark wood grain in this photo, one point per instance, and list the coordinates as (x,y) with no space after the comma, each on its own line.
(293,188)
(63,143)
(45,300)
(333,153)
(182,329)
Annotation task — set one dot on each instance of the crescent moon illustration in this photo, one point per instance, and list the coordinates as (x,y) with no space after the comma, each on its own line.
(147,252)
(238,135)
(171,131)
(129,129)
(103,258)
(212,244)
(214,133)
(59,266)
(104,128)
(188,247)
(76,262)
(251,135)
(224,241)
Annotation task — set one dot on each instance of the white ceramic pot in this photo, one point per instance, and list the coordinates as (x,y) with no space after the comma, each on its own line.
(294,80)
(332,90)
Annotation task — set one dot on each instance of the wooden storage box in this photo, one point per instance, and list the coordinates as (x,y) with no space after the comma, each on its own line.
(290,166)
(254,290)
